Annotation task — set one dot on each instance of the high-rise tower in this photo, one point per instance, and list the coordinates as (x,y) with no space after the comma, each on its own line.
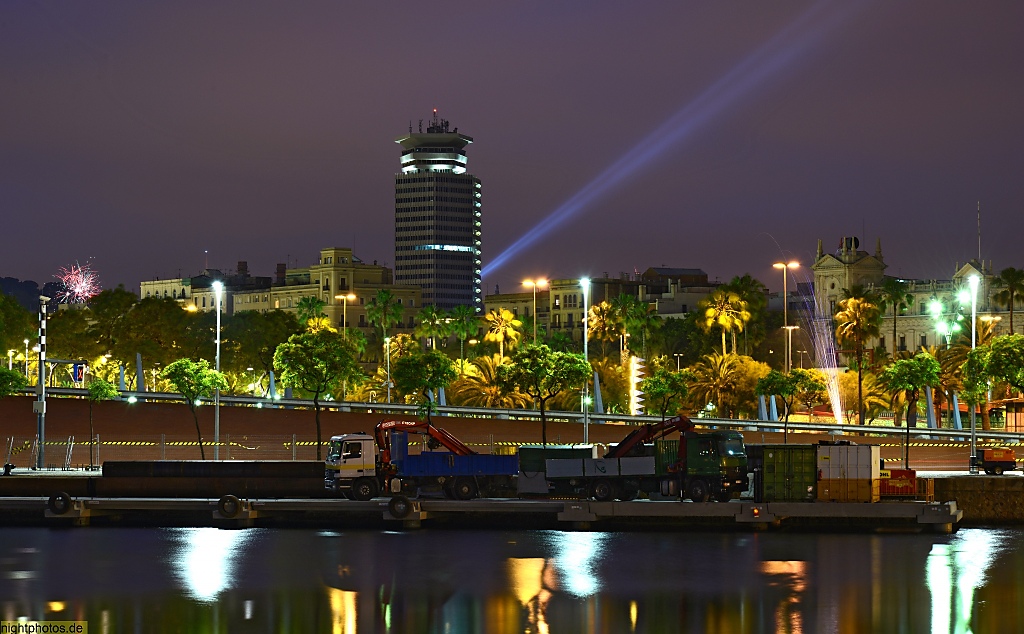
(437,218)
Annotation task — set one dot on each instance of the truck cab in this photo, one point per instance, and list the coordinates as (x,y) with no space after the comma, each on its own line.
(351,458)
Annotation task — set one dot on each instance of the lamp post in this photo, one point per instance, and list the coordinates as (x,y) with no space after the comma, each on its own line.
(344,312)
(542,283)
(387,353)
(678,356)
(785,309)
(974,281)
(26,360)
(39,407)
(218,290)
(10,359)
(585,284)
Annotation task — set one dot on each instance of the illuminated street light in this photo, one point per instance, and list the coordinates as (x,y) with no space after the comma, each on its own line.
(218,290)
(387,352)
(345,299)
(542,283)
(585,284)
(974,281)
(10,359)
(27,378)
(785,309)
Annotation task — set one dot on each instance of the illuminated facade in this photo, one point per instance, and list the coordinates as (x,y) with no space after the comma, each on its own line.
(437,218)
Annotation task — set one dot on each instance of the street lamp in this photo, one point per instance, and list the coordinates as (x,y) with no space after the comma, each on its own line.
(542,283)
(26,361)
(785,309)
(344,312)
(585,284)
(387,353)
(10,359)
(218,290)
(678,356)
(974,281)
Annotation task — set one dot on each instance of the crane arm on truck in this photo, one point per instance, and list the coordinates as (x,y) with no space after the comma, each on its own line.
(650,433)
(442,437)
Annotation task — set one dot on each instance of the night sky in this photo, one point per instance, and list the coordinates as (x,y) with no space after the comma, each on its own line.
(714,135)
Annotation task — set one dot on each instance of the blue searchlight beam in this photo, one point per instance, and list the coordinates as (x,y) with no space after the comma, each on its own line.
(767,61)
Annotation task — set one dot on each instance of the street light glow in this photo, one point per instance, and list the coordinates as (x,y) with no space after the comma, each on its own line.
(535,284)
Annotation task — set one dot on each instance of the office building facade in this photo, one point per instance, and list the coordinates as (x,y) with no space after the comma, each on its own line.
(438,218)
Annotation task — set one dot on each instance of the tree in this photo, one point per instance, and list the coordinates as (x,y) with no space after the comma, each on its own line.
(894,292)
(251,337)
(99,390)
(479,387)
(423,373)
(664,389)
(957,355)
(811,388)
(542,373)
(1002,360)
(714,376)
(1012,281)
(463,323)
(310,309)
(433,324)
(856,322)
(68,336)
(726,310)
(11,382)
(754,293)
(910,376)
(502,326)
(785,387)
(194,380)
(604,325)
(109,310)
(317,362)
(16,324)
(384,310)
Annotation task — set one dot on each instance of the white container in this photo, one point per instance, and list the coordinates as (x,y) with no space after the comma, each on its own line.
(841,462)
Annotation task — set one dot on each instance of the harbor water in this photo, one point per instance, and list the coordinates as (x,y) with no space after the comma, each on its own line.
(452,581)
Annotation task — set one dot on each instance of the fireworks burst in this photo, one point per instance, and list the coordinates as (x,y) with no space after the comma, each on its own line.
(78,284)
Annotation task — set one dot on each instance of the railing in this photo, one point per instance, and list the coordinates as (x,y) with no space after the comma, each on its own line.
(572,417)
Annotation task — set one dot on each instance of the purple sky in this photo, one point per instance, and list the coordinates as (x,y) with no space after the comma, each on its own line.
(143,134)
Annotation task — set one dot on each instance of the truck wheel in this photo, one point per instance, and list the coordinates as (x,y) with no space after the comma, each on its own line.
(229,506)
(364,489)
(723,495)
(59,503)
(698,491)
(603,491)
(997,470)
(399,507)
(628,491)
(464,489)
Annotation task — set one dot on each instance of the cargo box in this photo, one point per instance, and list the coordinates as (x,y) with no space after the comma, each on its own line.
(788,473)
(443,463)
(857,462)
(532,457)
(848,490)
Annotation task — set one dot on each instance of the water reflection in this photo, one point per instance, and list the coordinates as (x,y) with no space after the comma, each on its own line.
(186,580)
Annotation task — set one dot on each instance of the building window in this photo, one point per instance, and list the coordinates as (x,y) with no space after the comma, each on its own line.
(903,343)
(924,341)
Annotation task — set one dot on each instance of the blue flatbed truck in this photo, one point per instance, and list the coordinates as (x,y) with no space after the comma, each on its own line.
(361,466)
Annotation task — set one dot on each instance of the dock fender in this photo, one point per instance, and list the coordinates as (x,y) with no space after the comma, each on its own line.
(399,507)
(59,503)
(229,506)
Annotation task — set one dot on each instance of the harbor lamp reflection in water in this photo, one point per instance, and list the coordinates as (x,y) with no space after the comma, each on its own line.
(204,559)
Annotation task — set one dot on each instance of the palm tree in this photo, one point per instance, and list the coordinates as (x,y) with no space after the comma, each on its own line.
(479,387)
(984,332)
(856,322)
(714,376)
(383,311)
(502,326)
(894,292)
(310,308)
(604,325)
(433,324)
(1012,281)
(463,323)
(628,309)
(754,293)
(727,310)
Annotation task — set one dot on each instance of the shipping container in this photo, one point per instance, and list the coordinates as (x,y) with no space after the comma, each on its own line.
(848,490)
(848,461)
(787,473)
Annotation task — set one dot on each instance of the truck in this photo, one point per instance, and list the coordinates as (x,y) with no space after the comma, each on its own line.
(699,466)
(997,461)
(361,467)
